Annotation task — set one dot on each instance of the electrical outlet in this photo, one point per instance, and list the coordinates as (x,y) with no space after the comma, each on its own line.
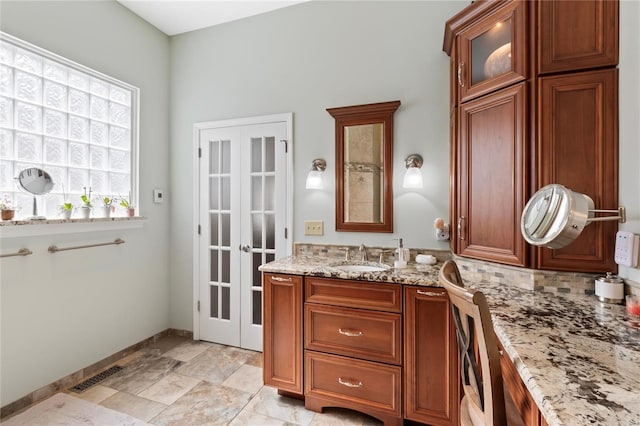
(313,227)
(442,234)
(626,249)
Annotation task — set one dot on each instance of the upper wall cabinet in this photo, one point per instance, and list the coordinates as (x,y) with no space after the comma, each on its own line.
(534,101)
(491,53)
(573,38)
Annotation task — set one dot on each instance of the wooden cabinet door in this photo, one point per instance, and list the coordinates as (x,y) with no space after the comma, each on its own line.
(521,397)
(578,126)
(431,357)
(491,184)
(577,35)
(492,51)
(283,332)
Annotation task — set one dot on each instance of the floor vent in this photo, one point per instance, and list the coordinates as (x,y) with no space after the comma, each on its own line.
(81,387)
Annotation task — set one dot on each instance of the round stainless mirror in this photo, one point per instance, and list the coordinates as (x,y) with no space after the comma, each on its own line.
(555,216)
(37,182)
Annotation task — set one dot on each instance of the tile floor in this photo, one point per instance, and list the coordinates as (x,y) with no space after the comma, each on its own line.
(177,381)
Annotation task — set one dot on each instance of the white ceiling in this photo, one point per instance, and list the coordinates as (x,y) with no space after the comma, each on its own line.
(179,16)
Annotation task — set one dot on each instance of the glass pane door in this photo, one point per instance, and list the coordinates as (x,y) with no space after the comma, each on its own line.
(219,221)
(243,211)
(220,229)
(492,52)
(264,151)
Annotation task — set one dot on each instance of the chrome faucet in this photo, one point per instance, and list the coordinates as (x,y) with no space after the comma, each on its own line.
(346,253)
(363,253)
(382,253)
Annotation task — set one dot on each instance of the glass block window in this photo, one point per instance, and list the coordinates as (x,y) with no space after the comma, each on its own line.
(77,124)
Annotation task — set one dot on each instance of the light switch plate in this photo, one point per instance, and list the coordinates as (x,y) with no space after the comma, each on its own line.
(313,227)
(158,196)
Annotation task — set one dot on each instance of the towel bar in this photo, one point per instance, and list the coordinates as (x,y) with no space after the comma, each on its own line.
(21,252)
(55,249)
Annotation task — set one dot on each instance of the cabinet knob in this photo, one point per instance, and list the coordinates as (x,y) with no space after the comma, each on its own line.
(348,383)
(460,80)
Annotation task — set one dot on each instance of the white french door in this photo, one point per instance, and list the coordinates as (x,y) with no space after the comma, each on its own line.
(243,216)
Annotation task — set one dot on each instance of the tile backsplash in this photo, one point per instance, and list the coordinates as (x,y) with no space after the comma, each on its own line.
(337,251)
(471,269)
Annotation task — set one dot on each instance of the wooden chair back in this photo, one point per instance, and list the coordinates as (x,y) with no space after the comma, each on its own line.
(483,387)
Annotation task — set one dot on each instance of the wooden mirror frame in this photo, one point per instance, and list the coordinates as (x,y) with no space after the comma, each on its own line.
(356,116)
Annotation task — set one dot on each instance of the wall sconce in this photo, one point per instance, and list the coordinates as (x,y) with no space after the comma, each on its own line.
(413,176)
(314,178)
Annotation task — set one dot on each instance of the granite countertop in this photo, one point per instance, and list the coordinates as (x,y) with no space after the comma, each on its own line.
(426,275)
(579,358)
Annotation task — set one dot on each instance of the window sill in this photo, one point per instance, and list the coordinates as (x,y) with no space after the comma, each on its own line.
(32,228)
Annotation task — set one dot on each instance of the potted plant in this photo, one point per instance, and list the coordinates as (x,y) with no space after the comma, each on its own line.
(66,208)
(124,202)
(86,207)
(105,208)
(8,211)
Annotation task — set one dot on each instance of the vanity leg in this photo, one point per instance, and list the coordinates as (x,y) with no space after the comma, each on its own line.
(317,404)
(290,394)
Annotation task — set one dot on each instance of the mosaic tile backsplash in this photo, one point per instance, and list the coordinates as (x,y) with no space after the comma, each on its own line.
(474,270)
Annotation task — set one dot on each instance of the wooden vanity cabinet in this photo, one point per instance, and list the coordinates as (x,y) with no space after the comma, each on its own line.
(520,395)
(557,124)
(431,357)
(386,350)
(491,177)
(353,347)
(282,332)
(577,127)
(577,36)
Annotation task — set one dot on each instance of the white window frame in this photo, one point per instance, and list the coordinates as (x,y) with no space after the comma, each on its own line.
(134,152)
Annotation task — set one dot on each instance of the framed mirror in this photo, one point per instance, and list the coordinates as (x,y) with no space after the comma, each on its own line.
(364,167)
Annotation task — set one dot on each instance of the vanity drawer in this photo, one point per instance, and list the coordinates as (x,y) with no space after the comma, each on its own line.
(354,294)
(371,335)
(356,384)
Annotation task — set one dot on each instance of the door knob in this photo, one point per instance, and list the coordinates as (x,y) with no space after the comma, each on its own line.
(245,248)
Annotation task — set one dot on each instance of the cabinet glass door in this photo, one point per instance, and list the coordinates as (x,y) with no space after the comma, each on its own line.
(492,52)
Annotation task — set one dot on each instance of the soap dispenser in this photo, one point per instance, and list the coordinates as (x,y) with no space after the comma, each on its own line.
(401,255)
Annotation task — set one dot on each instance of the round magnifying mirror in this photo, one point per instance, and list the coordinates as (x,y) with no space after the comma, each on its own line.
(37,182)
(555,216)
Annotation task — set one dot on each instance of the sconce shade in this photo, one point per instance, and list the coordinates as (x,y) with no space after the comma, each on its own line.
(314,178)
(413,176)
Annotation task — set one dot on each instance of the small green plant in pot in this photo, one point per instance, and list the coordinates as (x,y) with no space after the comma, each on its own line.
(105,208)
(86,207)
(124,202)
(66,208)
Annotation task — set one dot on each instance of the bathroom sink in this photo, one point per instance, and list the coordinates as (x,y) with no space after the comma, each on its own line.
(361,267)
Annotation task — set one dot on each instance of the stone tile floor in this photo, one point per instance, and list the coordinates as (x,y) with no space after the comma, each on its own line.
(177,381)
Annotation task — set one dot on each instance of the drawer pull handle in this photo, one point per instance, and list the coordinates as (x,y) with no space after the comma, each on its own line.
(460,67)
(288,280)
(460,221)
(349,384)
(350,333)
(430,293)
